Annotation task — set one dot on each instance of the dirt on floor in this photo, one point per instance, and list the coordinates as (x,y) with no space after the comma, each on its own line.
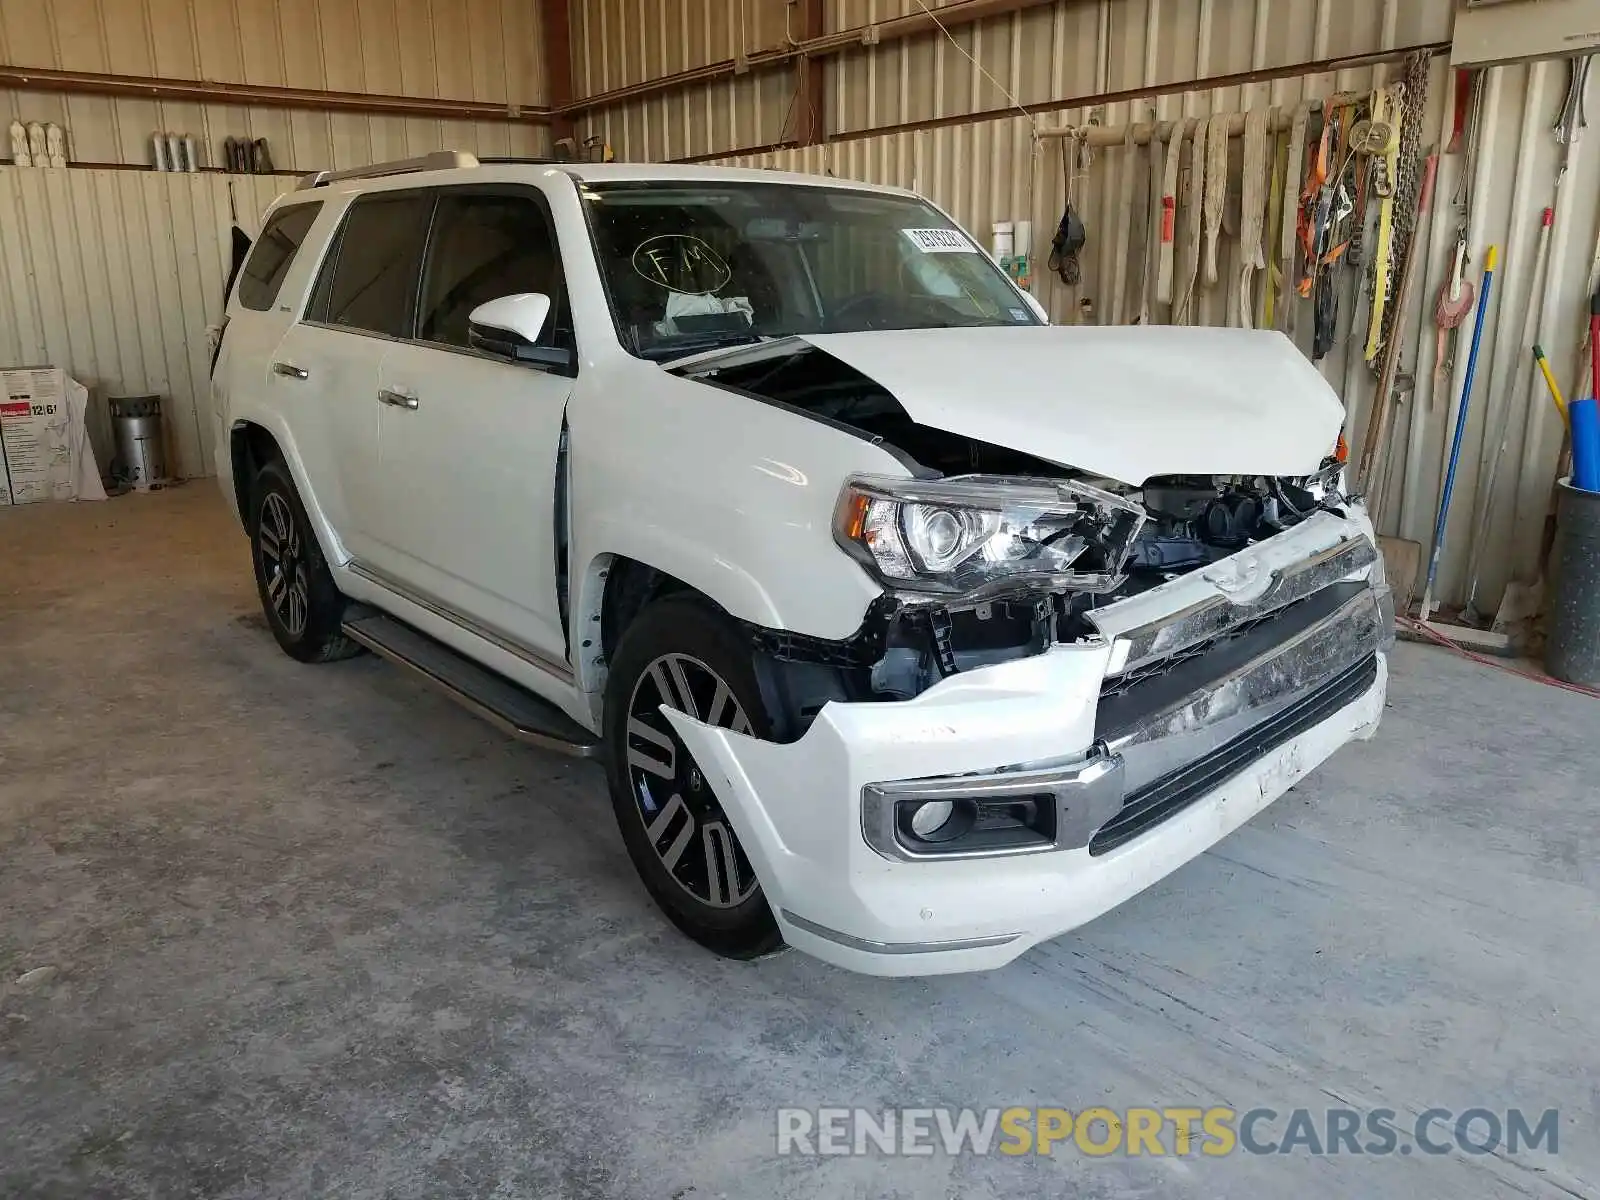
(289,931)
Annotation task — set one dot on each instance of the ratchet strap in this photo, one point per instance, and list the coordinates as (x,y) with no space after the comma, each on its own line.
(1169,211)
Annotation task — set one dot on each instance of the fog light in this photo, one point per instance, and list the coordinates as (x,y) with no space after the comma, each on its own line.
(930,818)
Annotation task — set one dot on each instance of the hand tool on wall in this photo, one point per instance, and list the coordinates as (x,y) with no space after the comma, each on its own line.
(1464,410)
(1374,446)
(1456,299)
(1554,388)
(1166,270)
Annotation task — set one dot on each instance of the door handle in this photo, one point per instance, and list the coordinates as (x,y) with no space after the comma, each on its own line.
(396,399)
(290,371)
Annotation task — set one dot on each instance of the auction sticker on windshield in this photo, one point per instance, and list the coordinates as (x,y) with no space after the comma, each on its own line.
(939,241)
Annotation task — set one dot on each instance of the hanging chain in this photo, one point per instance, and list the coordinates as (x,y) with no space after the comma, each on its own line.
(1414,109)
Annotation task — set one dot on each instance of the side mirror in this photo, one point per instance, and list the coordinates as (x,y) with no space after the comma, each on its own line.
(1037,305)
(511,327)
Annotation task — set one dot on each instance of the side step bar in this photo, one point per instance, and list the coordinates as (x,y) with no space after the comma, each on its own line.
(513,710)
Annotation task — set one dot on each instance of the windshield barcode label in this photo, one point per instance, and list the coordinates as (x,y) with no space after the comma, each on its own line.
(940,241)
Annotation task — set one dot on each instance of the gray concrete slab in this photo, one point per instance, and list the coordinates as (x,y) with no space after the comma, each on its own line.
(313,931)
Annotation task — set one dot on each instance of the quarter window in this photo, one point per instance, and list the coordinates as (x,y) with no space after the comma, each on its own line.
(273,254)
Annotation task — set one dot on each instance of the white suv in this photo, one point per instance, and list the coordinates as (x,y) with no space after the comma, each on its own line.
(912,630)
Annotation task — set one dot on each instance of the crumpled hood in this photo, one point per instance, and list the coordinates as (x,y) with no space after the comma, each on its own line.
(1129,402)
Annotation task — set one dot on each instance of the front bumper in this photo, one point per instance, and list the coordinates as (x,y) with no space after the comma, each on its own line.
(1200,703)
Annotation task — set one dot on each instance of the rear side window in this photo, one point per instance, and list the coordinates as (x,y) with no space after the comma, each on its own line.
(273,255)
(485,247)
(370,280)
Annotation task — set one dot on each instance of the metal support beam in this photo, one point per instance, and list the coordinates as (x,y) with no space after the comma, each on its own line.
(556,16)
(194,91)
(811,92)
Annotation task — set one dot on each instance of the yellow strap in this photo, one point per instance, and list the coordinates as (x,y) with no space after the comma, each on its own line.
(1383,256)
(1269,294)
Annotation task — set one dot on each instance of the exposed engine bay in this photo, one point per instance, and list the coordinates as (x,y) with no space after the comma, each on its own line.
(909,643)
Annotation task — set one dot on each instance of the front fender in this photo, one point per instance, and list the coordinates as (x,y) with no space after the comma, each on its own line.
(733,496)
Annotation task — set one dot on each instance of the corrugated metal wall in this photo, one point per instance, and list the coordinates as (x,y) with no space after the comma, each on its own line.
(618,42)
(115,275)
(989,170)
(486,50)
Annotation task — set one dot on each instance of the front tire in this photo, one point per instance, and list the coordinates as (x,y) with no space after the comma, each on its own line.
(684,654)
(304,608)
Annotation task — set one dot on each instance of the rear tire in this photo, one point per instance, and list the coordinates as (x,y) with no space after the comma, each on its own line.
(684,653)
(304,608)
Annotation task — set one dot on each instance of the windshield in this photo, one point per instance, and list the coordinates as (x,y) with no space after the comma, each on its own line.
(691,267)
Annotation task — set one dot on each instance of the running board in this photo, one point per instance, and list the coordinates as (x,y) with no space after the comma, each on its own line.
(513,710)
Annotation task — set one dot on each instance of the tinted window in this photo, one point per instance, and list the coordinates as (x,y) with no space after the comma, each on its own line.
(273,254)
(484,247)
(373,285)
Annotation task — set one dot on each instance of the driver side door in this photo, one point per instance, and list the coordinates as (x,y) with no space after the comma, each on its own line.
(468,440)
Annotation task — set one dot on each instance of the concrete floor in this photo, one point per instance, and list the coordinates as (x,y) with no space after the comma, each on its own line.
(313,931)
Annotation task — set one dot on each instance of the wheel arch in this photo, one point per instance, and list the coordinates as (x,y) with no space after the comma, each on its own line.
(252,443)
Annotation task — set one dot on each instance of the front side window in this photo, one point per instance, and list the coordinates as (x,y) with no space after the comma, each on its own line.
(273,254)
(370,280)
(688,267)
(484,247)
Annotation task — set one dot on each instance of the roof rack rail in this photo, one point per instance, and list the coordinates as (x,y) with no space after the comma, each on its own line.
(439,160)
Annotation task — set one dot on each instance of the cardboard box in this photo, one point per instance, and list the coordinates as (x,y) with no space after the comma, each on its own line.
(35,435)
(43,445)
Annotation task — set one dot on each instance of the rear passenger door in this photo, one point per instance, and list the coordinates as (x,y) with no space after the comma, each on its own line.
(469,440)
(327,367)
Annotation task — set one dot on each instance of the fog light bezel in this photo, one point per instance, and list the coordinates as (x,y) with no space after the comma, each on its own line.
(995,815)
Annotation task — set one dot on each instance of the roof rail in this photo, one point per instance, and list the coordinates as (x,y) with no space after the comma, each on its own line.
(439,160)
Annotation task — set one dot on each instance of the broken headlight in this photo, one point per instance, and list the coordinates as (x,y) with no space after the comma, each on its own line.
(986,534)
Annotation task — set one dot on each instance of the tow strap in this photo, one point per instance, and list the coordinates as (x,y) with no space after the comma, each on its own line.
(1287,243)
(1169,211)
(1194,218)
(1216,193)
(1153,235)
(1119,269)
(1253,216)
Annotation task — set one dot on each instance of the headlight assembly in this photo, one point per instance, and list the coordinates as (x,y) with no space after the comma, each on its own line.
(979,534)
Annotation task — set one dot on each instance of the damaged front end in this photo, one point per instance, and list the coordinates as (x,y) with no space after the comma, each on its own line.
(981,570)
